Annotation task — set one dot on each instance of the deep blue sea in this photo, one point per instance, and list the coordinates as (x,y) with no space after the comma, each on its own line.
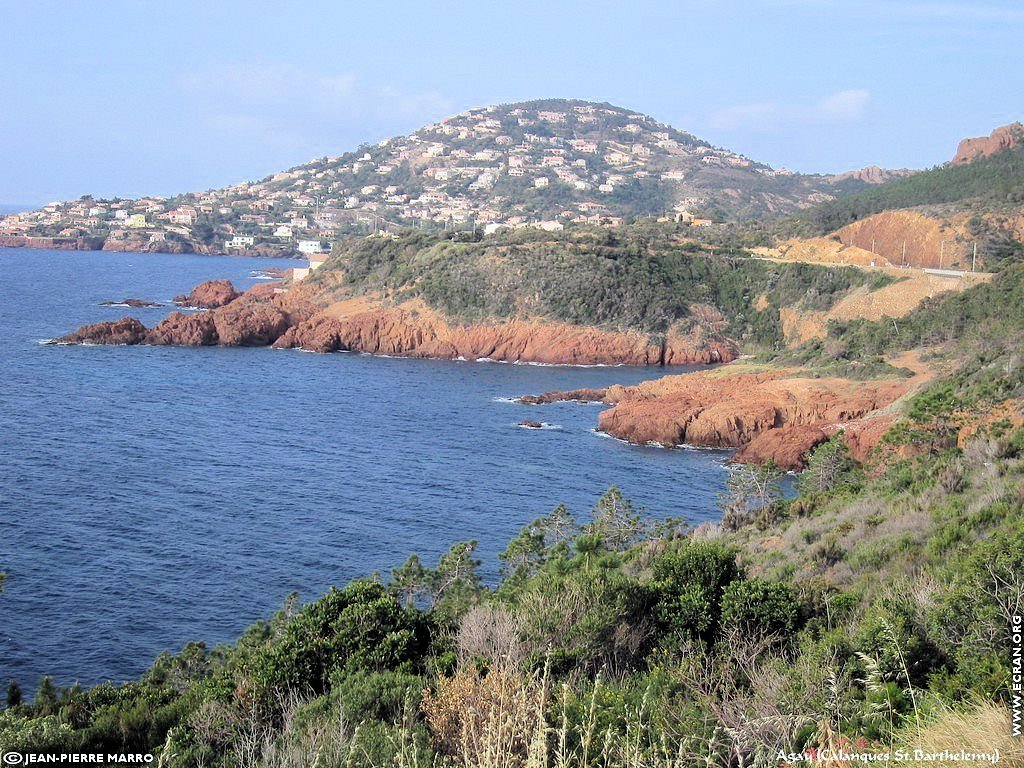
(151,495)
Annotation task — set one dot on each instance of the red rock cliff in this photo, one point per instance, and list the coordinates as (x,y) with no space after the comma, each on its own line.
(1001,138)
(772,415)
(419,333)
(262,317)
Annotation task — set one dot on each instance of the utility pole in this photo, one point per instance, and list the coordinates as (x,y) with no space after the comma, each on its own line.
(974,259)
(872,245)
(904,253)
(942,251)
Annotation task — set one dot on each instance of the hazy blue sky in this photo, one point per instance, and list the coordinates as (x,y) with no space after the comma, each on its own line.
(128,98)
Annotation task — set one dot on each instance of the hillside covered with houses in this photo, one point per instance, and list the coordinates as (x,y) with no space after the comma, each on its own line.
(542,163)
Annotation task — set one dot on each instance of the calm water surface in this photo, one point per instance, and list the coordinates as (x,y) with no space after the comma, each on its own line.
(152,496)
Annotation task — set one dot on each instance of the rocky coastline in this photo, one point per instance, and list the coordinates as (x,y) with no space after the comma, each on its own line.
(777,415)
(764,414)
(140,244)
(267,315)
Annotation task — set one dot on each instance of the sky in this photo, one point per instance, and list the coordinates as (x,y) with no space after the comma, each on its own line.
(139,97)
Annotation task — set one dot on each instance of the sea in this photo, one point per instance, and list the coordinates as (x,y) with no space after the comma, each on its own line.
(152,496)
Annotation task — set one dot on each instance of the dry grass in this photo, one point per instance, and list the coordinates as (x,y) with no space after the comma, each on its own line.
(489,633)
(983,728)
(498,720)
(494,719)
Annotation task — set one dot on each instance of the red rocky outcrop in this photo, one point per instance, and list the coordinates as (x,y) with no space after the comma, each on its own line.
(209,295)
(1001,138)
(398,331)
(769,415)
(189,329)
(127,330)
(786,446)
(262,316)
(249,324)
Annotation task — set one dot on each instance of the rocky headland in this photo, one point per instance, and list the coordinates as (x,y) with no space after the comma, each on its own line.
(268,316)
(766,414)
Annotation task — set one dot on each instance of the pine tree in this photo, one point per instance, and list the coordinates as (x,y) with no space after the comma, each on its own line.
(14,694)
(616,521)
(45,702)
(829,466)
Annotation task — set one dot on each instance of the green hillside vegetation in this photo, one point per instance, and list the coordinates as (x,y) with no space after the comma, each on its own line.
(993,182)
(976,334)
(642,277)
(877,610)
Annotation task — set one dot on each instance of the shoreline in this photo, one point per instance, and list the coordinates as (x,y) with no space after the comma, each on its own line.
(776,415)
(89,243)
(760,413)
(270,315)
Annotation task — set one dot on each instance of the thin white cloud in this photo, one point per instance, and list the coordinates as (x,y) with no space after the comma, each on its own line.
(842,107)
(959,12)
(289,106)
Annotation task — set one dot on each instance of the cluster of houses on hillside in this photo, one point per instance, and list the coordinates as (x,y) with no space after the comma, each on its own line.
(545,164)
(231,224)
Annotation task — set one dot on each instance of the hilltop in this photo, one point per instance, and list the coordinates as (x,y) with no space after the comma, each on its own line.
(1003,137)
(965,214)
(551,162)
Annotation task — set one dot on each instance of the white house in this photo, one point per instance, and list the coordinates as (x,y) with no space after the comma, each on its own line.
(550,226)
(283,231)
(240,241)
(310,247)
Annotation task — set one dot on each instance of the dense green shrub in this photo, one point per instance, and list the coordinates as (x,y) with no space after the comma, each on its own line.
(758,608)
(361,627)
(690,582)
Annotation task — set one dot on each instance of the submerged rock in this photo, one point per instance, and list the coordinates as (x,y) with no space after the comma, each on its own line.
(561,396)
(130,302)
